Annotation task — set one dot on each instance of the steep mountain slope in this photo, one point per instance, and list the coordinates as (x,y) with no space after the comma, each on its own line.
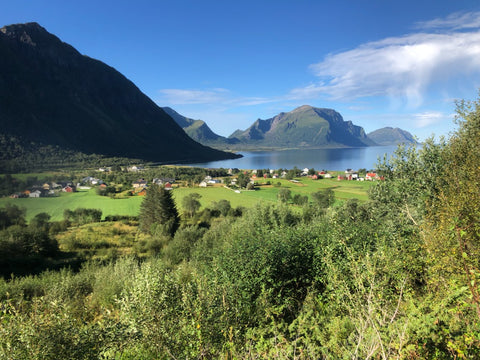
(304,127)
(53,95)
(391,136)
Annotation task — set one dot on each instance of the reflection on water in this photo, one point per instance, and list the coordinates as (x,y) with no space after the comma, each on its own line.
(328,159)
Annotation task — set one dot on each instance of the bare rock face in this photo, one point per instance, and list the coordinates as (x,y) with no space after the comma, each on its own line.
(51,94)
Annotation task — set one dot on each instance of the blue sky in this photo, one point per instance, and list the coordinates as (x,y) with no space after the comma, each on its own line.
(377,62)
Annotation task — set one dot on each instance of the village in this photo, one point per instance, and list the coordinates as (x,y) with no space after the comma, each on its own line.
(235,179)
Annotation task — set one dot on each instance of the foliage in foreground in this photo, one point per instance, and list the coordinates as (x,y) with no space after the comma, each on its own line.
(394,277)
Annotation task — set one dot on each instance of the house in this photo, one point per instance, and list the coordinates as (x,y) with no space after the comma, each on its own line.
(69,189)
(314,177)
(168,186)
(371,176)
(215,181)
(140,183)
(46,186)
(340,177)
(55,185)
(135,168)
(91,180)
(162,181)
(305,172)
(142,192)
(203,184)
(351,174)
(327,176)
(35,194)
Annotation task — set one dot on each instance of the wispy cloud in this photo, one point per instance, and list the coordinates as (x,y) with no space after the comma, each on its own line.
(402,67)
(455,21)
(209,97)
(185,96)
(429,118)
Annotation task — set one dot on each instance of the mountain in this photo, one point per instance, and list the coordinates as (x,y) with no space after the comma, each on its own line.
(391,136)
(304,127)
(199,131)
(50,94)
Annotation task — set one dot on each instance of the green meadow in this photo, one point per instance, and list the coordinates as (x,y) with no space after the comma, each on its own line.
(130,206)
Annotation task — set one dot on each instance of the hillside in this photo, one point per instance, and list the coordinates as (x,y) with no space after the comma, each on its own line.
(304,127)
(199,131)
(391,136)
(52,95)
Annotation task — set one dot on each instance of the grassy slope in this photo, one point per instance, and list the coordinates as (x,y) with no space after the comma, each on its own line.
(130,206)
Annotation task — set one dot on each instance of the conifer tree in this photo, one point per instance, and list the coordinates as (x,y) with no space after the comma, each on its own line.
(158,212)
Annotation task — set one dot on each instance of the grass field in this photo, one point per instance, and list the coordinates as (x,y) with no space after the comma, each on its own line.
(130,206)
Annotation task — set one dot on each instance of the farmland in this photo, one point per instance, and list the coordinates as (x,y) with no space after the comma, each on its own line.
(130,206)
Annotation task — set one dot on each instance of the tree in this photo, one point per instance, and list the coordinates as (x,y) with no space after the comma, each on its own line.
(284,195)
(222,206)
(323,198)
(243,180)
(453,226)
(12,215)
(191,204)
(40,221)
(158,212)
(300,199)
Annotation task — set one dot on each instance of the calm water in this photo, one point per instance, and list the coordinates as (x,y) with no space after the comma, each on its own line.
(319,159)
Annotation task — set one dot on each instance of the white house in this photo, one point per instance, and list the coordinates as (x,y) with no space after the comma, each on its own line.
(35,194)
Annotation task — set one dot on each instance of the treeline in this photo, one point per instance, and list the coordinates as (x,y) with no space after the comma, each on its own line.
(19,156)
(394,277)
(32,248)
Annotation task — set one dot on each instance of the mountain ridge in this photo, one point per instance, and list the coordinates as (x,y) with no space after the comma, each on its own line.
(304,127)
(53,95)
(391,136)
(199,130)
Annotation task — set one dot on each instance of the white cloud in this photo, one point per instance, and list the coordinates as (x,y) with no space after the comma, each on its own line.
(430,118)
(455,21)
(400,67)
(184,96)
(209,97)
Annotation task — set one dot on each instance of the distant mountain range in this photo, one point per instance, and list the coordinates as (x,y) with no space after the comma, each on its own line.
(50,94)
(303,127)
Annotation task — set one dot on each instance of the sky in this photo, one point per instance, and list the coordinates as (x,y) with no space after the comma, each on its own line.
(377,62)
